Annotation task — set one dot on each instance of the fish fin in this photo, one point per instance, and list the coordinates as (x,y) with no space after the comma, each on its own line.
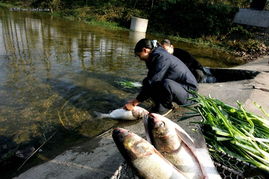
(185,138)
(99,115)
(190,145)
(145,121)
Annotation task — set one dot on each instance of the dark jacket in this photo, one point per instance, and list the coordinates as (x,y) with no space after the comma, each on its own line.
(190,62)
(162,65)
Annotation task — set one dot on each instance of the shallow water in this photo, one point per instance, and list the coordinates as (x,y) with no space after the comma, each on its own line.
(55,73)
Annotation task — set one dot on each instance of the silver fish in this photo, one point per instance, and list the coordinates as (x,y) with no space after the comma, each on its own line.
(144,158)
(177,147)
(135,114)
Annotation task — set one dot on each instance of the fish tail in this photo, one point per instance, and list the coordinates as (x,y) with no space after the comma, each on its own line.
(99,115)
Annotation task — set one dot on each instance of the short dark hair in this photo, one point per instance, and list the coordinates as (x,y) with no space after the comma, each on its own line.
(166,41)
(143,43)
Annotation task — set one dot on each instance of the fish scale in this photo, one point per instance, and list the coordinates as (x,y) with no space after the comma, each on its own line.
(178,148)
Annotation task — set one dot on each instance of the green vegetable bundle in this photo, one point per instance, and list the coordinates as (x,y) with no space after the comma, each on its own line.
(235,131)
(129,84)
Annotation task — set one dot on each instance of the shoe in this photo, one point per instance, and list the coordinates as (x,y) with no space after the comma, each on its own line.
(160,109)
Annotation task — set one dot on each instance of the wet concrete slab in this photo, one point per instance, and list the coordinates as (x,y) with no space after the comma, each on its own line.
(261,64)
(83,162)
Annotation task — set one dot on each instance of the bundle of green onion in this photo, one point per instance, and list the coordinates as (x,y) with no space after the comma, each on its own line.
(129,84)
(235,131)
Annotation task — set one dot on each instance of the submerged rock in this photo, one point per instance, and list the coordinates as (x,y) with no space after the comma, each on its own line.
(7,148)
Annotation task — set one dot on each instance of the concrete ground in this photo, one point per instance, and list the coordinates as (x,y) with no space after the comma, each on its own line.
(80,162)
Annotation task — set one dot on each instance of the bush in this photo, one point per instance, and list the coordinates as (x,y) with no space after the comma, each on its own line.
(190,18)
(249,46)
(238,32)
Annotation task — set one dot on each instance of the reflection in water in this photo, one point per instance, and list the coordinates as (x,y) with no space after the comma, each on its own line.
(136,36)
(41,63)
(55,73)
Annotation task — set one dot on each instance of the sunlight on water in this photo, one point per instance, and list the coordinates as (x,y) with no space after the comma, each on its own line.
(55,73)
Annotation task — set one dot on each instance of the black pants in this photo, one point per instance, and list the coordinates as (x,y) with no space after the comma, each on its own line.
(169,91)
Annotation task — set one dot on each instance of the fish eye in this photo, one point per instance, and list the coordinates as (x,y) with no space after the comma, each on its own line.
(162,124)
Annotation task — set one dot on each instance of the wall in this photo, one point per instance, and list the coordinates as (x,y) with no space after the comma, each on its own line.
(252,17)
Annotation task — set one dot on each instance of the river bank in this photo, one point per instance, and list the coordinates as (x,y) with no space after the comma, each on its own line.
(99,157)
(245,43)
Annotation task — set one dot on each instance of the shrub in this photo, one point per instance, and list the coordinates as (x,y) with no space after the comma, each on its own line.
(191,18)
(249,46)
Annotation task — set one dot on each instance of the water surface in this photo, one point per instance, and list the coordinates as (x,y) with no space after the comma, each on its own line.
(55,73)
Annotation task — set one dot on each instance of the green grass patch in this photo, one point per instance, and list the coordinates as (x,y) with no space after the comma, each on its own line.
(6,5)
(110,25)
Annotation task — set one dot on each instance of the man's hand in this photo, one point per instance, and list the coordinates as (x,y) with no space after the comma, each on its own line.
(131,104)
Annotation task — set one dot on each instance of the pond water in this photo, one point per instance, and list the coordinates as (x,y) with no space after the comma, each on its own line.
(55,73)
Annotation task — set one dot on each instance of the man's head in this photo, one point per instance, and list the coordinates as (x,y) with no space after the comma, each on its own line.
(143,49)
(166,44)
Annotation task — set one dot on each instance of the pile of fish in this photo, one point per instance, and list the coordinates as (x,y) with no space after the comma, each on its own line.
(168,152)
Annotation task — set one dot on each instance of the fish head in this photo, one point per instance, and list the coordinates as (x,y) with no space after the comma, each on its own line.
(130,145)
(162,133)
(139,112)
(156,125)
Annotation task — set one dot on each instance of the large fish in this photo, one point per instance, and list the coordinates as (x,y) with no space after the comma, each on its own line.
(144,158)
(178,148)
(135,114)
